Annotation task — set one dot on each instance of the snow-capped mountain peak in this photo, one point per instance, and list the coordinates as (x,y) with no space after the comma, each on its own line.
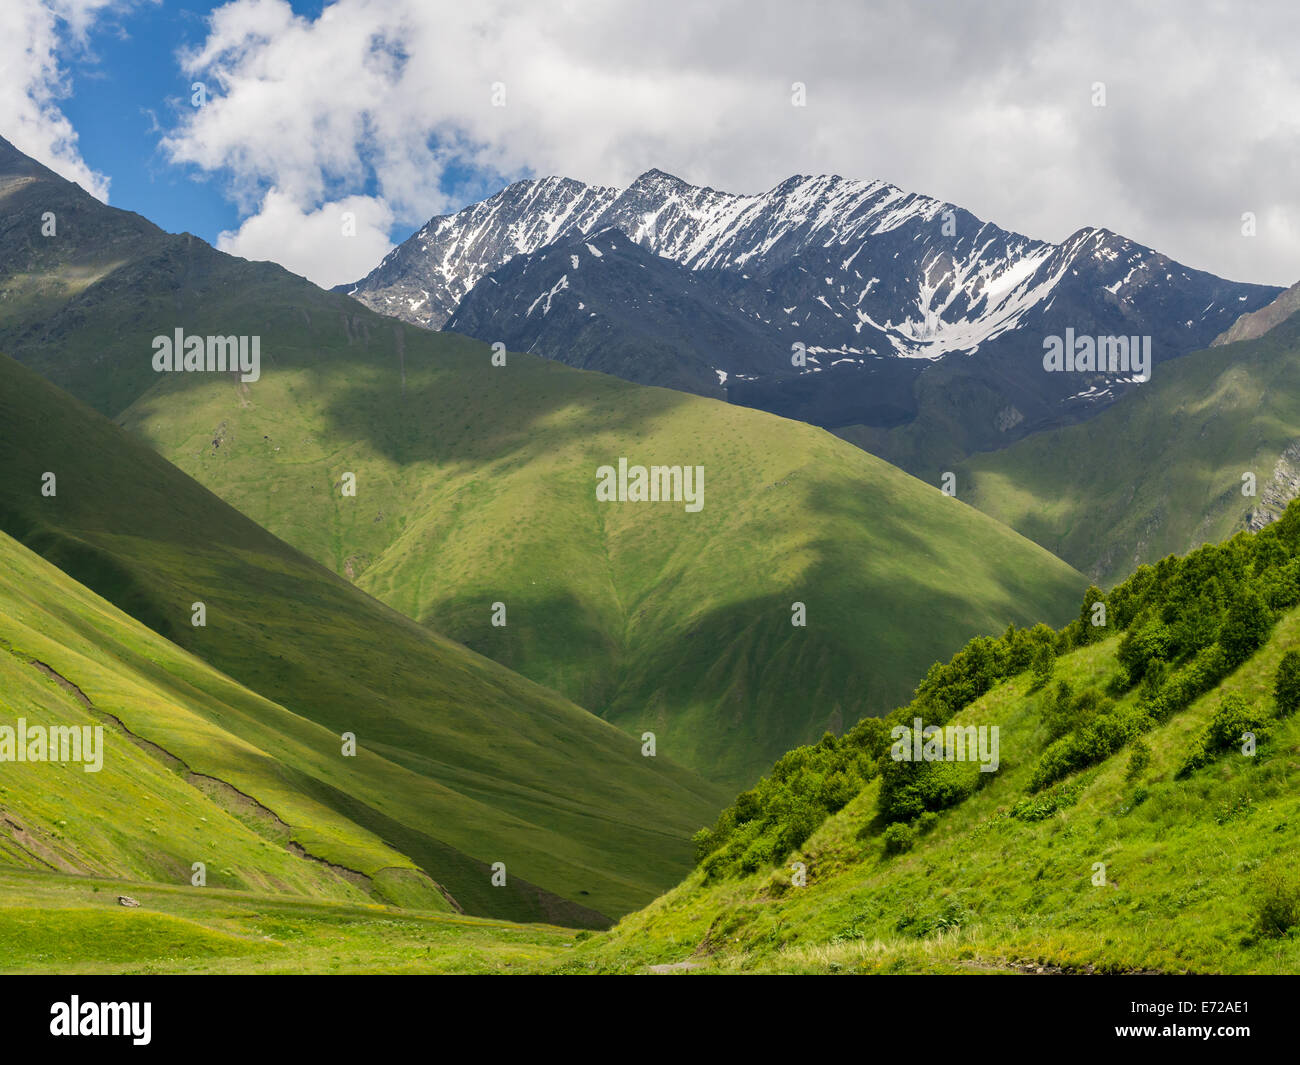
(853,272)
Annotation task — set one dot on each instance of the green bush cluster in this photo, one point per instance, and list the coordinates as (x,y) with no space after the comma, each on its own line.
(1235,718)
(899,837)
(1066,711)
(1186,623)
(763,825)
(1091,625)
(1279,909)
(1041,806)
(1286,685)
(1089,744)
(1179,688)
(909,789)
(912,789)
(774,817)
(1227,729)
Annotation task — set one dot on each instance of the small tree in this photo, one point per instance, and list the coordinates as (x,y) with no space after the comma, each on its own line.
(1245,628)
(899,837)
(1044,665)
(1139,758)
(1286,688)
(1227,728)
(1146,640)
(1089,630)
(1234,717)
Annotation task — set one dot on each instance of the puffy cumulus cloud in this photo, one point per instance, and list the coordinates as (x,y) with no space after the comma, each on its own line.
(33,81)
(337,242)
(989,105)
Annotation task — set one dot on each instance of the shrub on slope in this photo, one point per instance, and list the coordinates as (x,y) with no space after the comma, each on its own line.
(1187,623)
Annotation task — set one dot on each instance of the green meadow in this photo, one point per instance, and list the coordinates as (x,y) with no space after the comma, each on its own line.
(58,924)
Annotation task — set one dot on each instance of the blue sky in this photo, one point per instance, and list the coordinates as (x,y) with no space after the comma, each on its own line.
(388,112)
(127,86)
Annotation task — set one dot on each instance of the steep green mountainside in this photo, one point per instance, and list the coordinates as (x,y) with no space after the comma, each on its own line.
(1143,816)
(1130,826)
(476,485)
(179,775)
(462,763)
(83,285)
(1161,471)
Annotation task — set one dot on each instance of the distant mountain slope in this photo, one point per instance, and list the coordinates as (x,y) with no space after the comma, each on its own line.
(630,313)
(1129,825)
(1257,323)
(1162,471)
(861,274)
(461,762)
(476,485)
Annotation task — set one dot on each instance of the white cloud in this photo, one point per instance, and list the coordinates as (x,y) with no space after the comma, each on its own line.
(986,105)
(337,242)
(33,82)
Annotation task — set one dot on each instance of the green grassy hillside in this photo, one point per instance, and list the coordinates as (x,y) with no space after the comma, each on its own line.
(176,784)
(1127,827)
(1161,471)
(476,486)
(461,763)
